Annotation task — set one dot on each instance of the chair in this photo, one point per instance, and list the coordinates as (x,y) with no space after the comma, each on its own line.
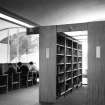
(26,79)
(16,80)
(35,77)
(13,80)
(29,78)
(9,81)
(3,83)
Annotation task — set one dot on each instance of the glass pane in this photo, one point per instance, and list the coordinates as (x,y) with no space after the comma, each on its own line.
(4,51)
(23,48)
(29,49)
(13,41)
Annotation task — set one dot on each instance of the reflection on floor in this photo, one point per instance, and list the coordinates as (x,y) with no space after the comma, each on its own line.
(24,96)
(30,96)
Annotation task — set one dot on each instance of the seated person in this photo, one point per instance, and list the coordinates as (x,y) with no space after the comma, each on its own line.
(19,64)
(24,71)
(11,70)
(33,69)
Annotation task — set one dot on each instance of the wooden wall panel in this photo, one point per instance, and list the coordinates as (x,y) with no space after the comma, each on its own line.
(47,89)
(96,66)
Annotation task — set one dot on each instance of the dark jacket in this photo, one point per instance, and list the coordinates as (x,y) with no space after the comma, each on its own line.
(11,70)
(24,69)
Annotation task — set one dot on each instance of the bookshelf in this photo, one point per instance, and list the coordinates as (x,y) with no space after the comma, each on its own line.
(60,66)
(69,64)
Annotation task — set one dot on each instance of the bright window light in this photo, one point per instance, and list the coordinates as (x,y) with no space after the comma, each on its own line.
(15,20)
(74,33)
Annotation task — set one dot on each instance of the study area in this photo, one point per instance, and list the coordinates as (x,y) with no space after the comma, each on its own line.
(52,52)
(19,62)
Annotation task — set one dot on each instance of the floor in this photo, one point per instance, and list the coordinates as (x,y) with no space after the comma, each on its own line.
(24,96)
(77,97)
(30,96)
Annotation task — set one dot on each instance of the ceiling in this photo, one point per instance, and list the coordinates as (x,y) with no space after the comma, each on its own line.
(54,12)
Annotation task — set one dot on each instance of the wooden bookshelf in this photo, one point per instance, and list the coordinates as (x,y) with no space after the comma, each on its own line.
(69,53)
(60,64)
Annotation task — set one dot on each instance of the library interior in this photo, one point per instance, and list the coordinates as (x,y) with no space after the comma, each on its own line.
(52,52)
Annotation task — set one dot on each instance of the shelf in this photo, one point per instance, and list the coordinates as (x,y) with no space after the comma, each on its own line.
(69,59)
(75,56)
(75,49)
(80,62)
(68,63)
(79,75)
(80,50)
(79,68)
(67,79)
(75,63)
(69,38)
(61,81)
(75,70)
(60,63)
(60,54)
(62,93)
(69,47)
(60,73)
(75,76)
(69,71)
(60,45)
(80,56)
(69,89)
(68,55)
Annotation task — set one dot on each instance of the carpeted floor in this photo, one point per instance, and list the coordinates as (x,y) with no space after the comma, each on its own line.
(30,96)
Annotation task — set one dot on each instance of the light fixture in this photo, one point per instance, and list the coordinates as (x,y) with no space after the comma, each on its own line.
(15,21)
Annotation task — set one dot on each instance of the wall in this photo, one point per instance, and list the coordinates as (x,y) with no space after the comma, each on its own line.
(47,64)
(96,66)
